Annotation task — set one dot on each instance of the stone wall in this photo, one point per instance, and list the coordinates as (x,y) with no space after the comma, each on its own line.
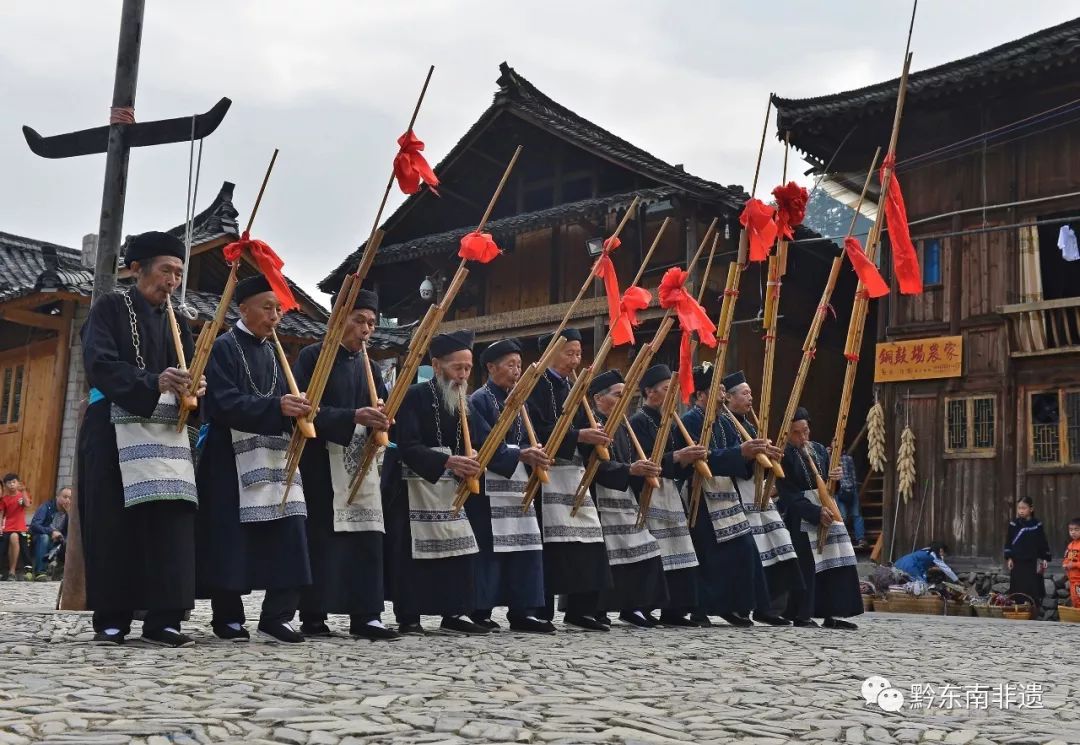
(983,583)
(73,397)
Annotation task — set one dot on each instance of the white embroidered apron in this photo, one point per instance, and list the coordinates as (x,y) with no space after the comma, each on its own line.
(770,534)
(625,542)
(365,513)
(838,549)
(667,523)
(511,529)
(437,533)
(155,459)
(557,500)
(260,472)
(725,510)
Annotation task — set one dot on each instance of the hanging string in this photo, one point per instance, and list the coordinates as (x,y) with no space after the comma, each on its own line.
(189,217)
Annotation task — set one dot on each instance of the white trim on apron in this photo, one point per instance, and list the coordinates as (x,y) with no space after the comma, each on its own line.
(838,549)
(667,523)
(557,500)
(772,537)
(155,459)
(365,513)
(437,533)
(625,542)
(725,510)
(511,529)
(260,474)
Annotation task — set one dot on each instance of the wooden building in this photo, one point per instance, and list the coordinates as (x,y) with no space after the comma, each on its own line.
(572,184)
(45,294)
(989,162)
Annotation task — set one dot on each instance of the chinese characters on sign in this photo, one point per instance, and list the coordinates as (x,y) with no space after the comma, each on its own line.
(999,696)
(919,359)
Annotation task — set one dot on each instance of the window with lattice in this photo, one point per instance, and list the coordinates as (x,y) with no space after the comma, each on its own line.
(11,389)
(970,426)
(1054,428)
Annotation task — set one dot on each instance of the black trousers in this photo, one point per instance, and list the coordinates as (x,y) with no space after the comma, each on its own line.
(355,619)
(155,620)
(577,604)
(279,606)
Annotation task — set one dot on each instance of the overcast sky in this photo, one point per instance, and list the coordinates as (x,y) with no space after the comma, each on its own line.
(332,83)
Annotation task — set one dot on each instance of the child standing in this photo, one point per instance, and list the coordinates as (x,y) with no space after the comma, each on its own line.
(1027,552)
(1071,562)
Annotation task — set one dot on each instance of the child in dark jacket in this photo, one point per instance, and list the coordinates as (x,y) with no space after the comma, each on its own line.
(1027,552)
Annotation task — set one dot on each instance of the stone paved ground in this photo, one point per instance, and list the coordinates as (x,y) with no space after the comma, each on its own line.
(721,685)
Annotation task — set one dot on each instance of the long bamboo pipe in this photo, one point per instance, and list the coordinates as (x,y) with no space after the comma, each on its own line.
(466,437)
(306,428)
(530,432)
(189,401)
(382,439)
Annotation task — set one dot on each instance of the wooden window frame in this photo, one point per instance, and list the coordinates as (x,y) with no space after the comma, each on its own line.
(941,266)
(969,412)
(1063,461)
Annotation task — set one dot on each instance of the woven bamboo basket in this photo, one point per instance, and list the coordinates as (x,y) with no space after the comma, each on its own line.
(987,611)
(867,603)
(1022,611)
(957,608)
(881,605)
(1068,615)
(926,605)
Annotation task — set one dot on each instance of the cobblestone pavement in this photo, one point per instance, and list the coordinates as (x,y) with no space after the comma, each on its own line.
(721,685)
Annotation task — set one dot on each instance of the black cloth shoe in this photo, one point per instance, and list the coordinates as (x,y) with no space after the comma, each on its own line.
(770,620)
(635,619)
(652,620)
(487,623)
(107,640)
(603,618)
(411,629)
(805,623)
(677,622)
(461,625)
(532,626)
(584,622)
(167,638)
(282,632)
(230,634)
(737,619)
(838,623)
(319,628)
(374,633)
(701,620)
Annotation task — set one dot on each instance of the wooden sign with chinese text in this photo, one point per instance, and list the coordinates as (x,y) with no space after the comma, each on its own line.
(919,359)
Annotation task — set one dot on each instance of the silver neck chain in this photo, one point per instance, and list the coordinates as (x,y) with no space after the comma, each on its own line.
(135,341)
(247,370)
(519,425)
(437,405)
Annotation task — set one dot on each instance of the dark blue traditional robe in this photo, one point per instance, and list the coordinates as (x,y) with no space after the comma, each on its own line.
(233,556)
(140,557)
(732,579)
(682,584)
(514,579)
(443,586)
(569,568)
(346,567)
(640,585)
(833,593)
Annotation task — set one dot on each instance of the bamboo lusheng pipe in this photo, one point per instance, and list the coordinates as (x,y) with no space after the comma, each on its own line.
(617,416)
(189,401)
(208,335)
(381,437)
(422,337)
(667,412)
(601,450)
(473,484)
(306,428)
(530,432)
(761,458)
(515,402)
(810,345)
(827,501)
(857,323)
(563,424)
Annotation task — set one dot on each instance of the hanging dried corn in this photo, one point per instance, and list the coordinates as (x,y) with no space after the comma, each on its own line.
(875,437)
(905,464)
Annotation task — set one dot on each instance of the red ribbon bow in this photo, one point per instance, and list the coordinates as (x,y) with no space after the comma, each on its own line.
(478,247)
(410,167)
(692,317)
(868,273)
(634,299)
(605,270)
(757,219)
(269,264)
(790,208)
(905,260)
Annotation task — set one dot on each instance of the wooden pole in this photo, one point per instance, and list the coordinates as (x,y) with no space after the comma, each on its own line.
(382,438)
(667,412)
(530,432)
(466,437)
(827,501)
(189,401)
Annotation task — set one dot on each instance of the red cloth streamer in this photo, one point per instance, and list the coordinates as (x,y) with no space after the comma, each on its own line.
(868,273)
(478,247)
(634,299)
(757,219)
(610,244)
(692,317)
(791,202)
(410,167)
(605,270)
(269,264)
(905,260)
(851,357)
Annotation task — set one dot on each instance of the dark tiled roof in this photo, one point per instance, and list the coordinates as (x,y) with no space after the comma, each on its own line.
(216,221)
(1035,53)
(504,229)
(518,97)
(23,261)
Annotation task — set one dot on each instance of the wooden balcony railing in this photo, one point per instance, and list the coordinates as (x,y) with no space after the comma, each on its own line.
(1043,327)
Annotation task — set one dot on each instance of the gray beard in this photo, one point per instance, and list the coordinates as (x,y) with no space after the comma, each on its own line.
(450,394)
